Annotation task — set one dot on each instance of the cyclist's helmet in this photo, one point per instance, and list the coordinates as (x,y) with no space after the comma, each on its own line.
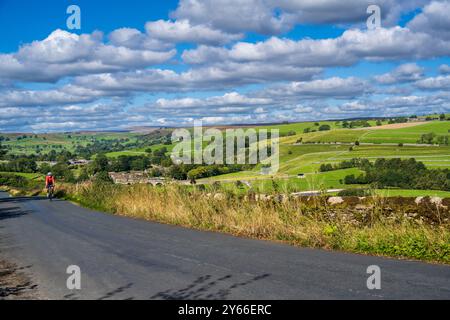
(49,174)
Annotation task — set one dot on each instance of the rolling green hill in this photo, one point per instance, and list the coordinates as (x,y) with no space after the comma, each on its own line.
(374,135)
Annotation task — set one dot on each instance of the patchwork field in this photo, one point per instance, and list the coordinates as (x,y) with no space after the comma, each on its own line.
(301,152)
(27,144)
(338,145)
(306,160)
(139,151)
(409,135)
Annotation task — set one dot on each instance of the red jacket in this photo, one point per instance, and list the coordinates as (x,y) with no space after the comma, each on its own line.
(49,180)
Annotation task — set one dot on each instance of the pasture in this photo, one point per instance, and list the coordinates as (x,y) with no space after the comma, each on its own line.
(300,153)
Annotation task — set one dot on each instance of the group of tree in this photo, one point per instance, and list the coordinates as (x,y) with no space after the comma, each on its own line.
(3,151)
(103,146)
(355,124)
(318,127)
(346,164)
(13,180)
(53,156)
(159,164)
(206,171)
(324,127)
(288,134)
(432,138)
(24,165)
(405,174)
(398,120)
(441,117)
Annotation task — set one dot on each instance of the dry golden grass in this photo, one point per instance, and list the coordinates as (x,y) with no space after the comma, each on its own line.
(317,225)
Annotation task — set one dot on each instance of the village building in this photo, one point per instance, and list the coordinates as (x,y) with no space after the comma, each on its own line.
(80,162)
(135,177)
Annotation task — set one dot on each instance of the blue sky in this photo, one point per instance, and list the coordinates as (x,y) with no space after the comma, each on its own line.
(167,63)
(26,21)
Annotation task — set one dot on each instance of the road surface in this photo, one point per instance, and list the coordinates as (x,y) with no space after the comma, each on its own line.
(123,258)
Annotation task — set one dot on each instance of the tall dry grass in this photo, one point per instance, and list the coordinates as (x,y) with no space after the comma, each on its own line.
(313,224)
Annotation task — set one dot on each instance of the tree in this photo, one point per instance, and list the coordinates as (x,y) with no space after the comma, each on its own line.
(324,127)
(61,170)
(100,163)
(155,172)
(3,151)
(291,133)
(84,175)
(178,173)
(326,167)
(442,140)
(138,164)
(442,117)
(44,168)
(427,138)
(69,176)
(21,165)
(103,177)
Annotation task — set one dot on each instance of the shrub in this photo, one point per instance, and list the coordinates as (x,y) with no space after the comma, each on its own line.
(324,127)
(12,180)
(326,167)
(103,177)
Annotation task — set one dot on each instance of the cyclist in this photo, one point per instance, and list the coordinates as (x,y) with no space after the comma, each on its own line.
(49,184)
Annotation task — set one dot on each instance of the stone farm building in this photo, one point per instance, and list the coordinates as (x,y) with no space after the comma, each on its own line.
(135,177)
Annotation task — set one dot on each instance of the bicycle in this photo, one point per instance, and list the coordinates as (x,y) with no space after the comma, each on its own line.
(50,190)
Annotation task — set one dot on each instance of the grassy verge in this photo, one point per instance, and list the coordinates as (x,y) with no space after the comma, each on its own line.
(375,229)
(21,184)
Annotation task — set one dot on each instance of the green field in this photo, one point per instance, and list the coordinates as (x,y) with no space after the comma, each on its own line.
(406,135)
(139,151)
(59,141)
(307,158)
(412,193)
(31,176)
(409,135)
(299,127)
(300,153)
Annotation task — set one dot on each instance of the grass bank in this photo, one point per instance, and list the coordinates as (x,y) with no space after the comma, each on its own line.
(376,228)
(21,184)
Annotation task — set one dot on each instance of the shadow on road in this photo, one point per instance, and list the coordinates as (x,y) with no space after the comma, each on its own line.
(203,288)
(24,199)
(12,212)
(111,295)
(14,284)
(206,288)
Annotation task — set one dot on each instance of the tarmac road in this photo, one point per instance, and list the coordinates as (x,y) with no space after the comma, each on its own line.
(122,258)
